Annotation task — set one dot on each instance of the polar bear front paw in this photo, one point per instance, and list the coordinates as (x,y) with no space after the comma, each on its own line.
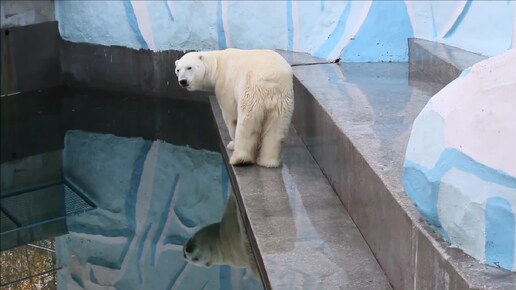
(231,146)
(241,159)
(269,163)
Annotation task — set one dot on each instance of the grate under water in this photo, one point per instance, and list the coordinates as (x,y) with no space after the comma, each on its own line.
(26,213)
(6,224)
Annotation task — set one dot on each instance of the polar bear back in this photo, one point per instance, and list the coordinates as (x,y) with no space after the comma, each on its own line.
(263,63)
(259,67)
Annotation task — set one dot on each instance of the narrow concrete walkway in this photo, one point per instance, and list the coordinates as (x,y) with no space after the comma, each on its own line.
(302,236)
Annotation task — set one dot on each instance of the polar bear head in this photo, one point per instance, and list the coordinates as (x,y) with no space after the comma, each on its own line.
(190,71)
(202,249)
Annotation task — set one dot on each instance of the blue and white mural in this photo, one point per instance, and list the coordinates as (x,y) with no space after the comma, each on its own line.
(151,197)
(484,27)
(350,30)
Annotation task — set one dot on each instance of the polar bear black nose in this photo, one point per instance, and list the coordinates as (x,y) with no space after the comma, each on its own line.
(189,247)
(183,83)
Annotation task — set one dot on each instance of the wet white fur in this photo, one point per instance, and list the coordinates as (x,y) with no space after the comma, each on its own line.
(255,91)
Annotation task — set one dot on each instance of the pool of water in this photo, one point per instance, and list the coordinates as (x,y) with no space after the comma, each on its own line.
(101,190)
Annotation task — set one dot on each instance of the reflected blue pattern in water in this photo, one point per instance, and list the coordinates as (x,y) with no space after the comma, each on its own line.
(151,197)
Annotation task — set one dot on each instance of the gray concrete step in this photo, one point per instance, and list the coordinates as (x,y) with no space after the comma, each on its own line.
(439,62)
(301,235)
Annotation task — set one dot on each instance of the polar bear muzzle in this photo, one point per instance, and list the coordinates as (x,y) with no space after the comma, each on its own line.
(196,255)
(183,83)
(189,247)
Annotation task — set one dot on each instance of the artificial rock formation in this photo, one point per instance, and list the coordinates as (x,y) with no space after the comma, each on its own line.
(460,166)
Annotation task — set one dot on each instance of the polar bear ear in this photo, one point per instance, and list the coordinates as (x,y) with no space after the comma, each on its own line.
(176,62)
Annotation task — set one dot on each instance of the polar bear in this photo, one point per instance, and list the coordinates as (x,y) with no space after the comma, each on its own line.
(254,89)
(222,243)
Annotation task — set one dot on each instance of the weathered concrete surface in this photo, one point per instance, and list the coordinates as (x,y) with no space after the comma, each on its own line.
(438,62)
(25,68)
(301,234)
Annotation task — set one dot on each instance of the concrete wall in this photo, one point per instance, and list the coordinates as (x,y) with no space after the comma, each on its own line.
(20,13)
(350,30)
(29,52)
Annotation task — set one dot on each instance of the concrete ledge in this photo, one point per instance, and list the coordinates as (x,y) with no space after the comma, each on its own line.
(301,235)
(123,69)
(300,58)
(439,62)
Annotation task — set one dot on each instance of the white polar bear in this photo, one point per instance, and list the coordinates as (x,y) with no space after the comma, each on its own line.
(222,243)
(255,91)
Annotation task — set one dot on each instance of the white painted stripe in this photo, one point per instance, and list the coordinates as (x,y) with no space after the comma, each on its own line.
(171,8)
(514,47)
(454,18)
(461,208)
(161,246)
(344,41)
(412,15)
(100,238)
(143,198)
(104,276)
(144,194)
(142,17)
(235,278)
(225,23)
(179,281)
(295,25)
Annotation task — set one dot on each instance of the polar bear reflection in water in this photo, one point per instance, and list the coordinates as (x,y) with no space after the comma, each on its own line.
(222,243)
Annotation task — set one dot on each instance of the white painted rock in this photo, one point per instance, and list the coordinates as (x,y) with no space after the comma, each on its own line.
(460,166)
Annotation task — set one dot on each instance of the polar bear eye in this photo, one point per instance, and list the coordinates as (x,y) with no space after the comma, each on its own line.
(189,68)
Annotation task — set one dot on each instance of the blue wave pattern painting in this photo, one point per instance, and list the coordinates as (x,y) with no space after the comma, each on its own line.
(151,197)
(424,185)
(350,30)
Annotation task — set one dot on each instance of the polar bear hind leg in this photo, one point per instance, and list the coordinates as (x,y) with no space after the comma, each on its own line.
(248,131)
(246,138)
(279,113)
(231,124)
(275,130)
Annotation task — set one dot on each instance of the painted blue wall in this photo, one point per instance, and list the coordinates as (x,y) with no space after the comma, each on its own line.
(351,30)
(484,27)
